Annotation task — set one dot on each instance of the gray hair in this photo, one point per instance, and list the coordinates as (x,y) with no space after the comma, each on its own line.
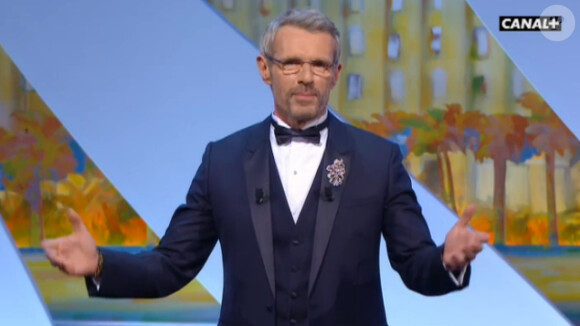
(309,19)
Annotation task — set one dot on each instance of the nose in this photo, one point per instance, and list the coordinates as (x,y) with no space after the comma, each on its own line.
(305,74)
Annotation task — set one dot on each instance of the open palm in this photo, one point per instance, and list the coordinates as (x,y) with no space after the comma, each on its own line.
(75,254)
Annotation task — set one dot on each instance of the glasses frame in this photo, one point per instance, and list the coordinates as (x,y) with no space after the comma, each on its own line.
(300,63)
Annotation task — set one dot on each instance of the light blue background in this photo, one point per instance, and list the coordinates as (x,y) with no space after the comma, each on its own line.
(144,85)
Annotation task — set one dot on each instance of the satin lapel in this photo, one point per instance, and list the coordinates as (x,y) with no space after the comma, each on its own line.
(338,148)
(257,170)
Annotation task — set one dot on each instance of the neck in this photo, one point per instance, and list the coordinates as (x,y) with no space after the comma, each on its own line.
(302,124)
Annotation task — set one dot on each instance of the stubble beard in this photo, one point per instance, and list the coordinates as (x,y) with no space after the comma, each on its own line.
(301,115)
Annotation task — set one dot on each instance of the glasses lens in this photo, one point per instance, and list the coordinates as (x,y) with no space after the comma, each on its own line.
(320,70)
(291,67)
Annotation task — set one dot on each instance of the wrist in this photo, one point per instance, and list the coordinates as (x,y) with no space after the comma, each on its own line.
(448,262)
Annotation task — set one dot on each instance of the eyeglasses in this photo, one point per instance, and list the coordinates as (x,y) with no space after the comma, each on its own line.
(293,66)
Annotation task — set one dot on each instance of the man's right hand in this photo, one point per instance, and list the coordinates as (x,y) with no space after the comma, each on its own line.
(75,254)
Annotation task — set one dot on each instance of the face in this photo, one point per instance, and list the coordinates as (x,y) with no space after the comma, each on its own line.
(301,96)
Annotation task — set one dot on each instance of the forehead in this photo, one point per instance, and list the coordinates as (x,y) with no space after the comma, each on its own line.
(292,41)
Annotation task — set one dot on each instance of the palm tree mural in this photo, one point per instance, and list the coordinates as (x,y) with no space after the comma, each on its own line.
(504,139)
(441,132)
(551,137)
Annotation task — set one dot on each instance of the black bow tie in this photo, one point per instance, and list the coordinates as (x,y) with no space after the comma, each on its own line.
(309,135)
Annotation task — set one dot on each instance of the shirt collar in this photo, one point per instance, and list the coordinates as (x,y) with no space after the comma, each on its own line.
(308,125)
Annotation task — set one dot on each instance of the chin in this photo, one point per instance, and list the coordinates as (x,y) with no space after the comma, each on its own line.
(306,112)
(301,115)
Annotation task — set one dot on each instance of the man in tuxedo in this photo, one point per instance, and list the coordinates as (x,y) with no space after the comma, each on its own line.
(299,203)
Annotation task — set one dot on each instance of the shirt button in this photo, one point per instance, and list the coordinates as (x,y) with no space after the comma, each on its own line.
(295,172)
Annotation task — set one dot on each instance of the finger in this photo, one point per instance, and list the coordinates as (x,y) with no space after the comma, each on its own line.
(473,246)
(60,267)
(58,243)
(467,215)
(56,253)
(56,259)
(473,250)
(477,248)
(457,261)
(67,268)
(482,237)
(75,220)
(56,248)
(51,246)
(470,257)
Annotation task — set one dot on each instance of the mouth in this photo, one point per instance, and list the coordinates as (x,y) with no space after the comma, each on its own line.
(304,96)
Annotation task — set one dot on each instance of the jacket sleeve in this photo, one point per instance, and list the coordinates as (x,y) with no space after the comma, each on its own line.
(411,250)
(180,255)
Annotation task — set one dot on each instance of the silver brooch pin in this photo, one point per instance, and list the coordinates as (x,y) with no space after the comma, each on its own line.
(336,172)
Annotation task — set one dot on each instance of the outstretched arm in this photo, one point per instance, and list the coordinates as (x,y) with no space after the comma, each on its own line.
(423,266)
(182,252)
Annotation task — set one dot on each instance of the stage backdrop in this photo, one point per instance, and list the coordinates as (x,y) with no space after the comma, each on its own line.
(106,107)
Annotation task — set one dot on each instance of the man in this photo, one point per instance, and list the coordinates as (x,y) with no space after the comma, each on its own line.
(298,202)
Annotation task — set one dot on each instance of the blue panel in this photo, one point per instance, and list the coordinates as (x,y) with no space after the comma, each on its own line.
(20,301)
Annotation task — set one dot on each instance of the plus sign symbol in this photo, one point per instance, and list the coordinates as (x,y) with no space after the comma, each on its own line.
(555,23)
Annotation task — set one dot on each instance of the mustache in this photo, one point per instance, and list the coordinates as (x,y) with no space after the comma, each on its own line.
(304,90)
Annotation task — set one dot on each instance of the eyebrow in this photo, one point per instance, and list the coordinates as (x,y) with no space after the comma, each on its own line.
(295,58)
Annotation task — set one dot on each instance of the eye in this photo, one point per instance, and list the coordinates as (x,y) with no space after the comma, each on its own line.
(292,62)
(320,64)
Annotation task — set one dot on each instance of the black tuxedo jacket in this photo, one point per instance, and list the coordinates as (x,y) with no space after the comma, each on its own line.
(227,201)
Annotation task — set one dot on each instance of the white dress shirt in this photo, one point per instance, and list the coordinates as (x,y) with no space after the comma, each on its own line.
(297,163)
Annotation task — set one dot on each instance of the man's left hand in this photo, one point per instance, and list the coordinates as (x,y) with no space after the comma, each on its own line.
(461,243)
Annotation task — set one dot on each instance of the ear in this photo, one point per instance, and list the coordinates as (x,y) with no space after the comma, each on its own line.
(335,77)
(264,69)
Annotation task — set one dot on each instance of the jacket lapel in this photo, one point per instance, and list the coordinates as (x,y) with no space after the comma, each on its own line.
(337,152)
(257,170)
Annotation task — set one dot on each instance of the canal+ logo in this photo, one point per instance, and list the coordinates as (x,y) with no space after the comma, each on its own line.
(530,23)
(556,23)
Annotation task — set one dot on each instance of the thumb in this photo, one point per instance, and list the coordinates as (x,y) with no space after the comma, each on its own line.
(75,220)
(467,215)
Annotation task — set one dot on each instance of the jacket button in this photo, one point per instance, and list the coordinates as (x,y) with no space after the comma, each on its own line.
(295,242)
(292,321)
(269,308)
(294,295)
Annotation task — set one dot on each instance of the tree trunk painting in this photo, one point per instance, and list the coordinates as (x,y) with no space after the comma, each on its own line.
(450,181)
(499,177)
(551,198)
